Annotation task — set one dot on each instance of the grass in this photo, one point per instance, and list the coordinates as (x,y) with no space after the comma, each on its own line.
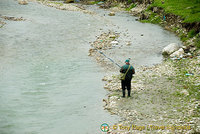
(131,6)
(93,2)
(189,10)
(191,33)
(129,1)
(188,82)
(197,43)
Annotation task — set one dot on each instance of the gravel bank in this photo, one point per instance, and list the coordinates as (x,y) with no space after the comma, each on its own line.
(159,102)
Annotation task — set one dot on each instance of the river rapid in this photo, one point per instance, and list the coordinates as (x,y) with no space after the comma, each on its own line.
(48,84)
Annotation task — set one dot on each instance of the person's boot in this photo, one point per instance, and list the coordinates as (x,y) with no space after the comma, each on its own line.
(123,92)
(129,93)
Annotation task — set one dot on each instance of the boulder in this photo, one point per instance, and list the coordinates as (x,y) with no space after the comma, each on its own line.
(170,49)
(177,53)
(23,2)
(128,43)
(111,14)
(198,52)
(185,92)
(69,1)
(155,9)
(114,42)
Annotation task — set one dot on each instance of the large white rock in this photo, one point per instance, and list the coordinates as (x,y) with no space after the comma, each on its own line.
(177,53)
(23,2)
(170,49)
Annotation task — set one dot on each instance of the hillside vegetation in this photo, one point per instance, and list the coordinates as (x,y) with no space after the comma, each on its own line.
(189,10)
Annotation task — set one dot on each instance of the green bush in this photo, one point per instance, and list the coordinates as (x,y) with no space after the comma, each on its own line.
(197,1)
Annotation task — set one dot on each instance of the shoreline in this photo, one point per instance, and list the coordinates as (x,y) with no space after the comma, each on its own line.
(147,84)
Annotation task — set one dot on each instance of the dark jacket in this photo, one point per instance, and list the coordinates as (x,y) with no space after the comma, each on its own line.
(130,72)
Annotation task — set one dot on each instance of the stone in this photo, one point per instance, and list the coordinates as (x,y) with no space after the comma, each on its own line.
(192,49)
(185,92)
(23,2)
(170,49)
(112,36)
(128,43)
(114,42)
(155,9)
(178,53)
(198,52)
(90,52)
(111,14)
(137,10)
(184,47)
(13,18)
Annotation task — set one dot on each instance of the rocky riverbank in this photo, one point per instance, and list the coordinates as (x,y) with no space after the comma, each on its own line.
(162,95)
(149,11)
(65,6)
(157,99)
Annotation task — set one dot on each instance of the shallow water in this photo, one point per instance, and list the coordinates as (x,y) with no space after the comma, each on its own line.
(147,40)
(48,84)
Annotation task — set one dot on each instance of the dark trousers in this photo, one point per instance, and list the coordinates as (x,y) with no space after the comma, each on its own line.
(126,84)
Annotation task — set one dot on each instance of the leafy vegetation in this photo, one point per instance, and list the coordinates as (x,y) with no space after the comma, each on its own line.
(129,1)
(131,6)
(191,33)
(189,10)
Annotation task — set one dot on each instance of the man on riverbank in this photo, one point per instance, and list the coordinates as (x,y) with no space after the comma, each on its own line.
(126,84)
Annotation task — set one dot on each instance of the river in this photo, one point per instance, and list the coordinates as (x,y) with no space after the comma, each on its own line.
(48,84)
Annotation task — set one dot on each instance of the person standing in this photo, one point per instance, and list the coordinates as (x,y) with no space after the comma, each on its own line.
(126,83)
